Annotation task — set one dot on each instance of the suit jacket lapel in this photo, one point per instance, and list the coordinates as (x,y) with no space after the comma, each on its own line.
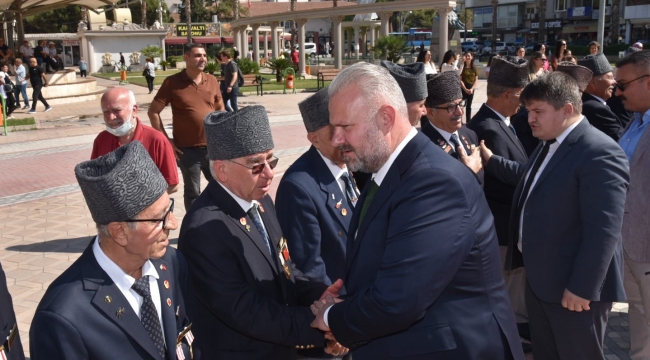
(512,136)
(438,139)
(170,326)
(329,185)
(111,302)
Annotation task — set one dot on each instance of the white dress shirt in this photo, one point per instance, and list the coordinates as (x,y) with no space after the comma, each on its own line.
(551,151)
(337,172)
(447,136)
(505,119)
(124,281)
(379,176)
(245,205)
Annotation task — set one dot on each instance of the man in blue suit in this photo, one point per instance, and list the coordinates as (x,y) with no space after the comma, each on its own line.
(566,219)
(123,297)
(316,199)
(423,272)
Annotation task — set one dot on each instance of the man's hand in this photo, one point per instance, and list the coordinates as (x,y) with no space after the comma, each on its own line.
(177,151)
(471,161)
(574,302)
(486,153)
(229,89)
(335,349)
(333,289)
(318,309)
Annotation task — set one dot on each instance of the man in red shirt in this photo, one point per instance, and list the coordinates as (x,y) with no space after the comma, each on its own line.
(295,55)
(123,126)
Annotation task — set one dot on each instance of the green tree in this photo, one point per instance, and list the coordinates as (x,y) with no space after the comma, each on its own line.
(54,21)
(225,10)
(390,48)
(420,18)
(200,13)
(152,15)
(152,51)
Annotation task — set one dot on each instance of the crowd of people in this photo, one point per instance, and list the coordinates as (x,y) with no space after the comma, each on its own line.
(474,237)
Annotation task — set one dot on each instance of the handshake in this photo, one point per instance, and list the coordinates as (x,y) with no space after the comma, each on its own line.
(318,308)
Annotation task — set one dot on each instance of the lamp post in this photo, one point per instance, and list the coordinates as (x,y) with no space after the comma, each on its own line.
(160,11)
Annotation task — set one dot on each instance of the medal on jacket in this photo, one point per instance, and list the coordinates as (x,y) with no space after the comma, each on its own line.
(189,338)
(445,147)
(283,254)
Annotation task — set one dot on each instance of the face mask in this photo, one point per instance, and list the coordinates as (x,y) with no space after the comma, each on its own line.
(123,129)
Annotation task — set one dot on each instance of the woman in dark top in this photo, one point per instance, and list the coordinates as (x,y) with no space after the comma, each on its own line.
(558,54)
(468,81)
(38,80)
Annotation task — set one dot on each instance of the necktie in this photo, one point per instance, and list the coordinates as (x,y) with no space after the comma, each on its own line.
(350,190)
(531,176)
(512,128)
(149,315)
(455,141)
(366,203)
(257,220)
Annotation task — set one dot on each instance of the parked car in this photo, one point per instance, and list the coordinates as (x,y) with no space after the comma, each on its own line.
(310,48)
(474,46)
(511,48)
(501,48)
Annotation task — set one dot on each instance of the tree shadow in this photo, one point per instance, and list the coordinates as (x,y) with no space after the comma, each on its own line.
(72,245)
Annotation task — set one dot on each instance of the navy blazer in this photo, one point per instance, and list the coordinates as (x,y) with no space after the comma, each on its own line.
(84,315)
(246,307)
(503,142)
(423,273)
(572,220)
(524,133)
(601,116)
(468,138)
(7,322)
(314,215)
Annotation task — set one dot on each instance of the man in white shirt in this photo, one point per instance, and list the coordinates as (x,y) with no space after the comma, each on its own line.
(567,213)
(422,242)
(124,297)
(26,51)
(21,84)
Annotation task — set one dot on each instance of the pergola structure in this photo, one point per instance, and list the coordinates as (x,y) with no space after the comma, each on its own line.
(336,14)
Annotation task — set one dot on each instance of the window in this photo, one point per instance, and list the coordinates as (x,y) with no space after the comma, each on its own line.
(560,5)
(507,16)
(483,17)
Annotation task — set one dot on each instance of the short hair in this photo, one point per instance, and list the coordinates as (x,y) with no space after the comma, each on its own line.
(226,53)
(556,88)
(191,46)
(375,84)
(594,43)
(640,60)
(494,91)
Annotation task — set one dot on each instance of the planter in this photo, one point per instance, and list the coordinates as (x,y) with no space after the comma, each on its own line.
(307,69)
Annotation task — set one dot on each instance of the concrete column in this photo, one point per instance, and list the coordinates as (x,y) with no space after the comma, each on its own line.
(349,33)
(364,41)
(372,42)
(443,46)
(236,38)
(274,39)
(256,43)
(301,41)
(357,45)
(266,45)
(244,42)
(338,41)
(385,16)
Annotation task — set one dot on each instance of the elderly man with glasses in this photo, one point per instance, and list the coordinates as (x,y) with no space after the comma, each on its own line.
(251,299)
(124,297)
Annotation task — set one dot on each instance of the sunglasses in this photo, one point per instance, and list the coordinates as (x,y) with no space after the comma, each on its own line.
(258,168)
(164,218)
(452,108)
(622,86)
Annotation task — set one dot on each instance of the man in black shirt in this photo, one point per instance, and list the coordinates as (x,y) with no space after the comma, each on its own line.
(6,54)
(38,52)
(38,80)
(230,75)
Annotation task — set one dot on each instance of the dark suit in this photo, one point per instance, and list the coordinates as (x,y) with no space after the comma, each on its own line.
(467,138)
(78,318)
(601,116)
(519,121)
(503,142)
(246,305)
(312,220)
(571,236)
(7,322)
(423,274)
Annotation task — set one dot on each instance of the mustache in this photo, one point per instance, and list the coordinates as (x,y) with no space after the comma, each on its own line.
(346,147)
(456,118)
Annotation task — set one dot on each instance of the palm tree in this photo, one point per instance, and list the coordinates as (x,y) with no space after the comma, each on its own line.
(188,14)
(541,31)
(143,7)
(613,36)
(495,3)
(236,10)
(294,28)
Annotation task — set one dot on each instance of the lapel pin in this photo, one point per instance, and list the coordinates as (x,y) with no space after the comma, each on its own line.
(166,283)
(163,267)
(248,228)
(242,221)
(338,204)
(261,207)
(169,302)
(107,299)
(333,197)
(120,312)
(344,212)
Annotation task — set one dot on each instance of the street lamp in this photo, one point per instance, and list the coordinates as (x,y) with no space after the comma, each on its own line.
(160,11)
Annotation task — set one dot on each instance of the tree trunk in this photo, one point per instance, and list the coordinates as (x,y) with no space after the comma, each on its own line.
(143,6)
(294,28)
(494,25)
(336,3)
(541,31)
(188,14)
(613,28)
(235,9)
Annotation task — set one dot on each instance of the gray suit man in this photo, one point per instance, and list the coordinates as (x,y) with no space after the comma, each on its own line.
(566,222)
(633,89)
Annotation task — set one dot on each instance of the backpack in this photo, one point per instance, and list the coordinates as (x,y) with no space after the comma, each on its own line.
(240,76)
(9,86)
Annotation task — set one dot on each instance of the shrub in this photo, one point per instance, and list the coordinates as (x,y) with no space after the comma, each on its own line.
(152,51)
(248,66)
(279,65)
(174,59)
(212,67)
(390,48)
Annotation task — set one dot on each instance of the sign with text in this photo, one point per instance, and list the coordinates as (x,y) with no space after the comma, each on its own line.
(549,25)
(197,30)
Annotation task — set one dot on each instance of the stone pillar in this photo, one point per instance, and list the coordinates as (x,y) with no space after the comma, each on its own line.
(274,40)
(244,42)
(338,41)
(301,41)
(443,46)
(373,32)
(385,16)
(364,41)
(357,45)
(266,45)
(235,37)
(349,32)
(256,43)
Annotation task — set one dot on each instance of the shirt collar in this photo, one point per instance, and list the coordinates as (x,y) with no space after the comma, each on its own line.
(445,134)
(245,205)
(121,279)
(379,176)
(503,118)
(336,170)
(643,118)
(568,130)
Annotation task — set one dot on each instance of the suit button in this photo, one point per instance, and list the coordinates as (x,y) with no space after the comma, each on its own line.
(340,233)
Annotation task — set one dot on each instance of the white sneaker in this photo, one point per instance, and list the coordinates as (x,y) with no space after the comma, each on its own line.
(10,117)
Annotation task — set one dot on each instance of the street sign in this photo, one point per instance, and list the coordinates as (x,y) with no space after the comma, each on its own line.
(411,31)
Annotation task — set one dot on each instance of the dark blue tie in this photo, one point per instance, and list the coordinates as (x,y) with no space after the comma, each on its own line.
(257,220)
(149,314)
(455,141)
(350,189)
(512,128)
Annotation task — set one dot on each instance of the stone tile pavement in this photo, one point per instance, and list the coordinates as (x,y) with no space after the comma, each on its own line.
(45,224)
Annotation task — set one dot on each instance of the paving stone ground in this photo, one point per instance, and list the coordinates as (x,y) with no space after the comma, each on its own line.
(45,224)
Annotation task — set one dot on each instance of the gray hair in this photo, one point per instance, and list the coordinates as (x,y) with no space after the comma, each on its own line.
(212,172)
(376,85)
(556,88)
(640,60)
(494,91)
(102,230)
(123,91)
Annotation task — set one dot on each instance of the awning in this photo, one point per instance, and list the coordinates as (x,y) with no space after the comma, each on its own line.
(200,40)
(585,27)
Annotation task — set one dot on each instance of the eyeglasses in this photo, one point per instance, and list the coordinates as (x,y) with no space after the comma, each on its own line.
(452,108)
(258,168)
(623,86)
(164,218)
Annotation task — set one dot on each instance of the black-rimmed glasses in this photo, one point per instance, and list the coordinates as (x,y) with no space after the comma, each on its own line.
(258,168)
(164,218)
(452,108)
(623,86)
